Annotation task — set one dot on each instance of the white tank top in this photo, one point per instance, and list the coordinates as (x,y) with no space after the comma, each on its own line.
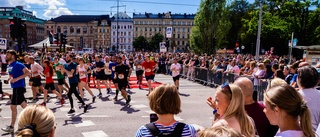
(107,71)
(82,72)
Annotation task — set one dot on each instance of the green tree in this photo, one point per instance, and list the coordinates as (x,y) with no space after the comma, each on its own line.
(211,21)
(154,43)
(140,43)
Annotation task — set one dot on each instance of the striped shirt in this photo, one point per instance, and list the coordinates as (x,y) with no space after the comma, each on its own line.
(188,130)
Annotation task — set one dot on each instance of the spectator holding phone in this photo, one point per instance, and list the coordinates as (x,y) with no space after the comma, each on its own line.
(166,103)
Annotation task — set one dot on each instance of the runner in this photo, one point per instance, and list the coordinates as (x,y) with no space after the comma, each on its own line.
(175,69)
(112,67)
(82,71)
(36,71)
(48,73)
(139,71)
(123,73)
(60,77)
(149,67)
(70,70)
(100,74)
(108,74)
(126,62)
(17,73)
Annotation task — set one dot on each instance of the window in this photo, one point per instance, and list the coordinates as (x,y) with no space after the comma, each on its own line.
(71,30)
(174,29)
(129,40)
(178,29)
(174,23)
(59,29)
(124,33)
(125,27)
(174,35)
(140,28)
(183,36)
(145,23)
(183,23)
(150,29)
(145,29)
(159,29)
(65,30)
(188,29)
(136,22)
(78,30)
(129,33)
(121,27)
(178,35)
(182,43)
(178,42)
(141,23)
(118,26)
(114,33)
(179,23)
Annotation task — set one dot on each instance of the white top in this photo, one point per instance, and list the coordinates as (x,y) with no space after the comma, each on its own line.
(62,61)
(3,58)
(290,133)
(36,69)
(175,69)
(312,96)
(82,72)
(107,71)
(260,73)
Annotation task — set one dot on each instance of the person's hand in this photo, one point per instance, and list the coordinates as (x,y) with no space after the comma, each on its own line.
(211,103)
(13,80)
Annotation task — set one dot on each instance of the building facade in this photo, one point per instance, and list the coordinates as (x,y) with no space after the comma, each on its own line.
(83,31)
(121,36)
(149,24)
(35,26)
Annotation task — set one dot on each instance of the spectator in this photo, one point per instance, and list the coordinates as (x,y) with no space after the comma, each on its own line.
(229,103)
(255,109)
(307,81)
(222,131)
(287,74)
(276,82)
(259,74)
(279,74)
(283,107)
(36,121)
(293,69)
(267,65)
(165,102)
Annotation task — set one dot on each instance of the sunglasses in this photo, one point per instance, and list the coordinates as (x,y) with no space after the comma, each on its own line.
(226,85)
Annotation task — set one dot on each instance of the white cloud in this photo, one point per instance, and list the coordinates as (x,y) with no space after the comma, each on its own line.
(53,11)
(47,2)
(34,13)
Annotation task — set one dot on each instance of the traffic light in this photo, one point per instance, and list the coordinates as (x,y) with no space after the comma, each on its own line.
(56,38)
(63,38)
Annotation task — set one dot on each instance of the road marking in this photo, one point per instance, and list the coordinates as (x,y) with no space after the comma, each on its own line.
(149,111)
(85,115)
(66,109)
(83,123)
(139,106)
(98,133)
(145,116)
(178,118)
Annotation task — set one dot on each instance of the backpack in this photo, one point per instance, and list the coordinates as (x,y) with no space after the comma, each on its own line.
(177,132)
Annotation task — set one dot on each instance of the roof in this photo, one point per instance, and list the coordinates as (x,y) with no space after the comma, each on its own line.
(122,17)
(80,18)
(312,47)
(162,15)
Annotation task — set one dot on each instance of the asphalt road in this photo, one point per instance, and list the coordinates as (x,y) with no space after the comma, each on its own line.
(107,118)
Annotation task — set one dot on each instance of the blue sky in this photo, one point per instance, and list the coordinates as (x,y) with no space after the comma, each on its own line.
(47,9)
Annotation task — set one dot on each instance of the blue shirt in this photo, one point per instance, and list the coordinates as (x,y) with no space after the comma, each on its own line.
(69,67)
(112,67)
(294,78)
(15,70)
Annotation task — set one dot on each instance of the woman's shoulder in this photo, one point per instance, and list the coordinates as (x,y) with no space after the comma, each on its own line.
(188,130)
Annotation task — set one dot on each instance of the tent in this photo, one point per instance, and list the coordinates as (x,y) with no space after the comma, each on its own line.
(46,42)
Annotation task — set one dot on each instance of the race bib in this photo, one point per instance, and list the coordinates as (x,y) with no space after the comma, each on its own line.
(148,70)
(139,66)
(9,70)
(107,71)
(121,76)
(113,68)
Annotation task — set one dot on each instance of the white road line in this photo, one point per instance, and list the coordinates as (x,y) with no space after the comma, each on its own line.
(83,123)
(98,133)
(139,106)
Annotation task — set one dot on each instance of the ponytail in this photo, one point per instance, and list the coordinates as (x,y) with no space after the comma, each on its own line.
(305,121)
(25,133)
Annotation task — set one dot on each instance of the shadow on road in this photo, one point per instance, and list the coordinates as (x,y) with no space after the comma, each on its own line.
(5,134)
(106,98)
(55,108)
(129,109)
(185,95)
(74,119)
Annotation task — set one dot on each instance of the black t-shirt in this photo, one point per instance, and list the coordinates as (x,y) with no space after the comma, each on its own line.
(100,64)
(122,72)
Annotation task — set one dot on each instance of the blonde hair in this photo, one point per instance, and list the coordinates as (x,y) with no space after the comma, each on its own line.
(41,118)
(276,82)
(220,131)
(236,109)
(290,101)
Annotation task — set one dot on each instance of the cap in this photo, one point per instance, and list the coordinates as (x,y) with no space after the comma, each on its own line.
(266,61)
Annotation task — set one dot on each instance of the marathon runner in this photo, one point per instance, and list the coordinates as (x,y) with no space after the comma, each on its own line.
(123,73)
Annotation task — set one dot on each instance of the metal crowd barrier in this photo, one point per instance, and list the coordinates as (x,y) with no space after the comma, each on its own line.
(212,78)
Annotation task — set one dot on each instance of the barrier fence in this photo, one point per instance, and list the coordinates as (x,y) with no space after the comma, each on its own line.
(217,78)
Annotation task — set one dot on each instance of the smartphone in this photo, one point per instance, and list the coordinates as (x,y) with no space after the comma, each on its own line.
(153,117)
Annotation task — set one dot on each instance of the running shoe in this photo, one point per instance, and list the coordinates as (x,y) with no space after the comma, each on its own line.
(100,95)
(43,104)
(94,99)
(115,98)
(8,129)
(62,101)
(71,111)
(85,108)
(128,100)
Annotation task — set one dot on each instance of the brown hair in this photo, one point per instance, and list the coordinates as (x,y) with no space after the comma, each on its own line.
(49,66)
(290,101)
(165,100)
(221,131)
(14,53)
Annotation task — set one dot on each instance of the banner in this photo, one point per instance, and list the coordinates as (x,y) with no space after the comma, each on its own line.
(168,32)
(163,47)
(3,43)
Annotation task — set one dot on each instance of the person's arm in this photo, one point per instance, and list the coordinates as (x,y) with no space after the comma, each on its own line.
(69,72)
(26,72)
